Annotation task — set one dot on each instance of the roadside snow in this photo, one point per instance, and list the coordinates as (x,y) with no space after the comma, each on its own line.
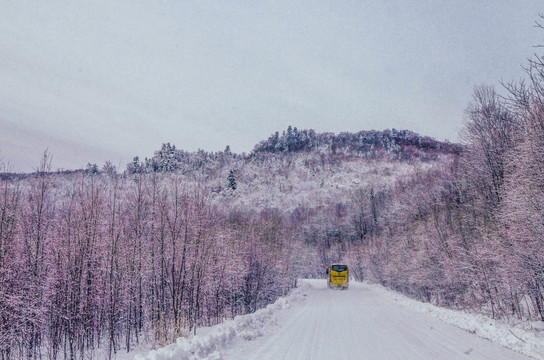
(512,336)
(220,336)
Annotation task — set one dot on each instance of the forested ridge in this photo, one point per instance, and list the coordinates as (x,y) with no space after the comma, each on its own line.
(102,259)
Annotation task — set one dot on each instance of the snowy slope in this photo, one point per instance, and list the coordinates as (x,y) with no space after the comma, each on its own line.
(365,322)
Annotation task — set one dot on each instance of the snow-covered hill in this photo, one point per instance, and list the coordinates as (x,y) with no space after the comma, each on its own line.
(302,168)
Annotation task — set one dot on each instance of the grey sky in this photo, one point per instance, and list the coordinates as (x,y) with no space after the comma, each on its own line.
(107,80)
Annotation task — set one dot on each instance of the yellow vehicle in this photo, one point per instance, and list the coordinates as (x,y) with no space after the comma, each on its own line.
(338,276)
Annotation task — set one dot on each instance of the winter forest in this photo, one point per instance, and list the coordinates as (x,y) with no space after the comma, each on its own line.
(98,258)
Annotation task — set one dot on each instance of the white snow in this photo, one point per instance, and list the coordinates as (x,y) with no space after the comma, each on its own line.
(367,321)
(219,337)
(525,338)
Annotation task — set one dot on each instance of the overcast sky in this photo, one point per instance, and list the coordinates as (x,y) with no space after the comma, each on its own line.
(108,80)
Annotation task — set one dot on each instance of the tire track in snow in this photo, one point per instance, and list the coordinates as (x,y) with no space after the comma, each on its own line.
(362,323)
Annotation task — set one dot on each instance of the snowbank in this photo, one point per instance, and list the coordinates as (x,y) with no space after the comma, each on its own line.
(526,341)
(220,336)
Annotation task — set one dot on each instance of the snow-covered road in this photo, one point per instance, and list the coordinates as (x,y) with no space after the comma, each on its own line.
(365,322)
(362,323)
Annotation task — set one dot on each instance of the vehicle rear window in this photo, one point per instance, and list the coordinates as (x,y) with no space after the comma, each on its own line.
(339,268)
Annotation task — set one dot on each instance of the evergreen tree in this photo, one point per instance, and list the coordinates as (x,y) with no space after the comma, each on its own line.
(92,168)
(135,166)
(231,180)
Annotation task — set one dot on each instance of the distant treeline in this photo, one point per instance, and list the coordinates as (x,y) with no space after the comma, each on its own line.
(403,144)
(390,144)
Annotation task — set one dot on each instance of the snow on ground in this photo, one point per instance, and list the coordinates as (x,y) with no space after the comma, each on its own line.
(219,337)
(525,338)
(365,322)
